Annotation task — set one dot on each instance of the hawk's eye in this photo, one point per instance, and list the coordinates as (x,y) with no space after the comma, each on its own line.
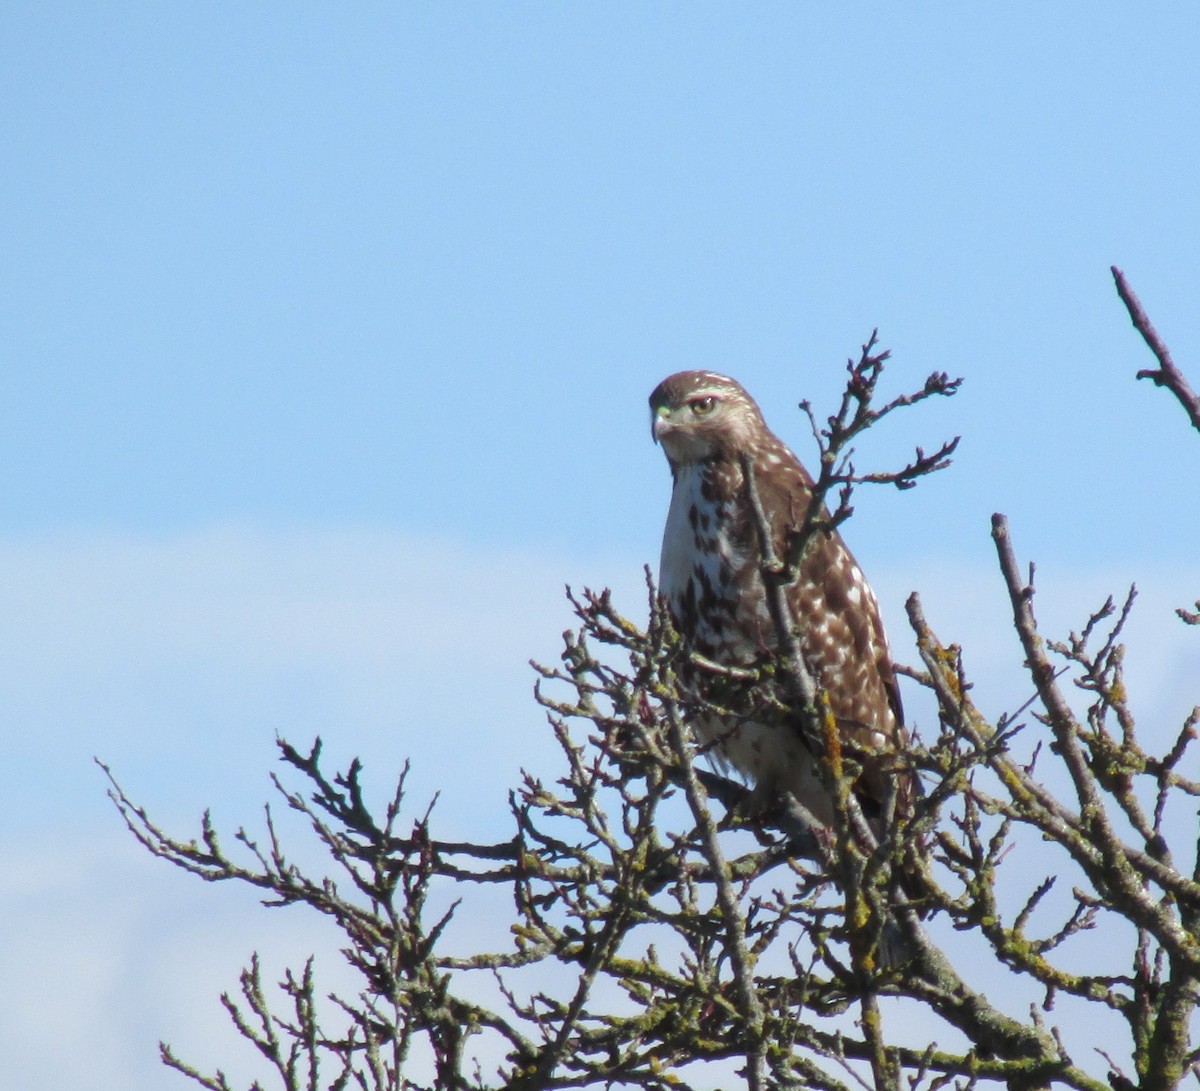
(703,406)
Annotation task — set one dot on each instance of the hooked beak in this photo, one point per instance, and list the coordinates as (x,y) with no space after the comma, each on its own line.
(659,417)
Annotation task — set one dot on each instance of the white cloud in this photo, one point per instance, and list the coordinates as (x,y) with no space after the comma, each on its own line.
(177,660)
(69,926)
(165,657)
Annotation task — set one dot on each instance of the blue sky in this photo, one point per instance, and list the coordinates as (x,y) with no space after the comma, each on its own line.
(326,338)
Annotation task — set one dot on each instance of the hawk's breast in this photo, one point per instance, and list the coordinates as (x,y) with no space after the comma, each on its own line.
(713,587)
(705,572)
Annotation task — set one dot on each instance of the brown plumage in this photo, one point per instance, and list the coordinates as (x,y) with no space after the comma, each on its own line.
(709,574)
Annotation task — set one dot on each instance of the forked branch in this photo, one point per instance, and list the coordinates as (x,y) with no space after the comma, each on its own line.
(1167,374)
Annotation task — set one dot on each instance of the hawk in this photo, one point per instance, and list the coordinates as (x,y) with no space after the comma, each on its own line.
(710,578)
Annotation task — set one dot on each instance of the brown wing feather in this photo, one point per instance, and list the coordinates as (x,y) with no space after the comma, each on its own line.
(837,616)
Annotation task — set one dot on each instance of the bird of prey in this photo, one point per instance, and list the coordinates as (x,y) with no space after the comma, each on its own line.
(711,580)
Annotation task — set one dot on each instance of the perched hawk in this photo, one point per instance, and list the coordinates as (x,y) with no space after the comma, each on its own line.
(710,577)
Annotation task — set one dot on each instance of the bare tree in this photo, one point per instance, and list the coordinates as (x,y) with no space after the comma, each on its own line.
(660,939)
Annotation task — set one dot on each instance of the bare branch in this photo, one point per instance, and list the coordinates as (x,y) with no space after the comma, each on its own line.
(1166,374)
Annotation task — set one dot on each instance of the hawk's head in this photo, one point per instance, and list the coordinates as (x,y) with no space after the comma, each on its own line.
(699,415)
